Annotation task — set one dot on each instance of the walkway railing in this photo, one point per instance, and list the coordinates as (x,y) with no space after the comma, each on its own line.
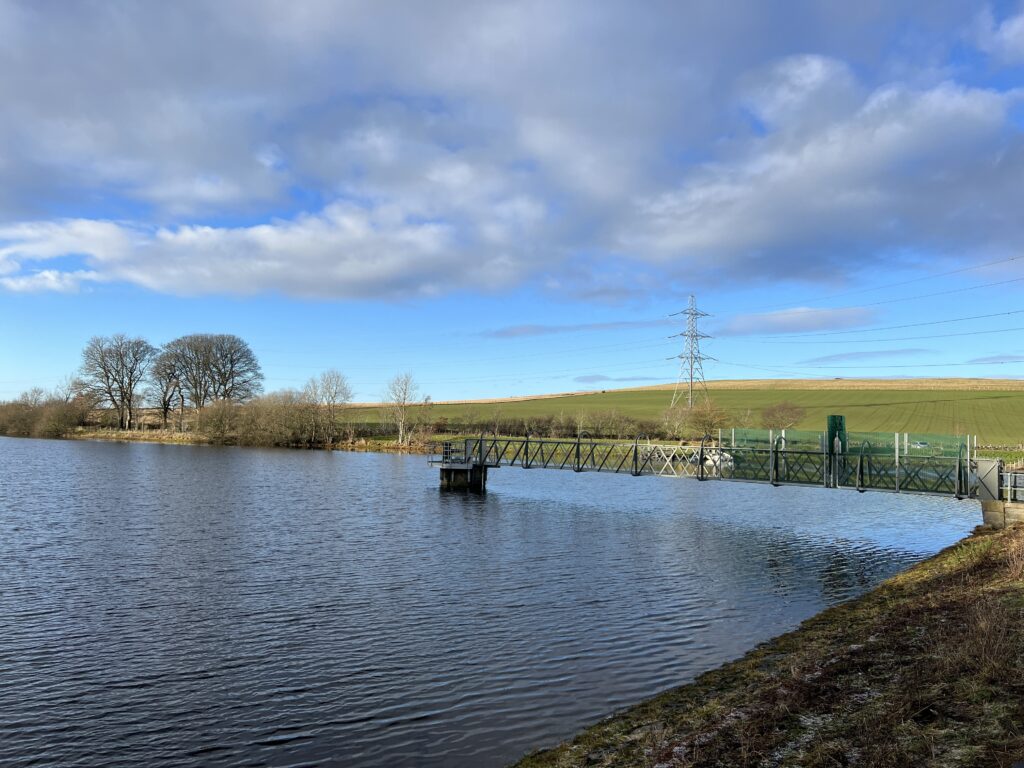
(1013,486)
(859,469)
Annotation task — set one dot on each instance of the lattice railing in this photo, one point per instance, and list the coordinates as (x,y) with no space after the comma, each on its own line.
(911,474)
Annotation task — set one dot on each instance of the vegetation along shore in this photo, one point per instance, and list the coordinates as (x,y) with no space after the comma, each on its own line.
(925,670)
(208,388)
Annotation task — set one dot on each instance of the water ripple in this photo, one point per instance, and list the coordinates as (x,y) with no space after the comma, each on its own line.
(169,605)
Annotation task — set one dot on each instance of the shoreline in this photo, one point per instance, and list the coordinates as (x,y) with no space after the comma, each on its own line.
(177,438)
(925,669)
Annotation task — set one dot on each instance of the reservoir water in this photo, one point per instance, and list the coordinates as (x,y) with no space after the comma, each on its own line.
(179,605)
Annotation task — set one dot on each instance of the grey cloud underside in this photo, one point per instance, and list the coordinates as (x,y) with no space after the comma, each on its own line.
(389,150)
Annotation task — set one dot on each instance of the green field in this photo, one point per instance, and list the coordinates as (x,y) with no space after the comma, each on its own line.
(995,416)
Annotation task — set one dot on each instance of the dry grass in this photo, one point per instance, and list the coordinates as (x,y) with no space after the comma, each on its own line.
(140,436)
(1015,559)
(927,670)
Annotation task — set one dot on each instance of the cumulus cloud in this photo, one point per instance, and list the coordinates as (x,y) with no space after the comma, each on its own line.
(901,171)
(345,250)
(365,149)
(796,320)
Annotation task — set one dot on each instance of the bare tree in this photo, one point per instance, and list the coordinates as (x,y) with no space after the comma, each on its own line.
(190,358)
(67,389)
(136,356)
(113,368)
(328,392)
(33,398)
(166,389)
(235,372)
(704,418)
(675,419)
(215,367)
(399,398)
(98,373)
(782,415)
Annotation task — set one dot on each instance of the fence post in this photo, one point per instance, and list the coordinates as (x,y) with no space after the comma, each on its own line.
(897,462)
(959,473)
(773,469)
(824,463)
(636,454)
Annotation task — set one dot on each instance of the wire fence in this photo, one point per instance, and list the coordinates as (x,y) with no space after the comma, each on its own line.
(860,443)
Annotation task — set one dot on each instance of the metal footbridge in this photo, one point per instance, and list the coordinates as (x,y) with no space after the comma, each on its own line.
(960,476)
(935,465)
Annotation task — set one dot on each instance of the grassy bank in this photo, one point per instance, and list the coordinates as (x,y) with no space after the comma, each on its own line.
(926,670)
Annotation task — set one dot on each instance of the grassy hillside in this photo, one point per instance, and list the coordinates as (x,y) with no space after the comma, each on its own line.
(996,415)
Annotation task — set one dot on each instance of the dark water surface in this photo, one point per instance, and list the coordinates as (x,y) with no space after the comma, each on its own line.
(173,605)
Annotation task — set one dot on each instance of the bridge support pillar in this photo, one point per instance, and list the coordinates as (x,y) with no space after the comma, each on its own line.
(1000,514)
(472,478)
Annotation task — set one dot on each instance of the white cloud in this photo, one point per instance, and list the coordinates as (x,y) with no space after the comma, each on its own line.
(519,140)
(1005,40)
(803,91)
(344,251)
(50,280)
(901,171)
(30,242)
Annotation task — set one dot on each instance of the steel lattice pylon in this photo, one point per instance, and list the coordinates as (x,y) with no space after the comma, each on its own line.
(691,361)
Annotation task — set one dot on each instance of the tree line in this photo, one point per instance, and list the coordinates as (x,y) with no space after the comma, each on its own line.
(192,371)
(212,385)
(206,383)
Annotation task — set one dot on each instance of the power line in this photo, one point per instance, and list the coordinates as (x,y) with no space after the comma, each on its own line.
(908,338)
(900,300)
(847,367)
(897,327)
(900,283)
(691,361)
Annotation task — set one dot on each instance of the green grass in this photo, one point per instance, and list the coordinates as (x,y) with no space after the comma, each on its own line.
(997,417)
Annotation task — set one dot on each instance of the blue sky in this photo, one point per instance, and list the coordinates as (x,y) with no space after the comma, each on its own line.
(512,198)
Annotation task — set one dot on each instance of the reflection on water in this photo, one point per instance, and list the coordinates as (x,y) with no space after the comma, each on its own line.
(169,604)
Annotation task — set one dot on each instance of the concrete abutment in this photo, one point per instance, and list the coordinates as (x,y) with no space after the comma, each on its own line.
(1000,514)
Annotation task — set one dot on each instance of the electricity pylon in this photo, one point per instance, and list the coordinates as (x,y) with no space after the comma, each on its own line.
(691,361)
